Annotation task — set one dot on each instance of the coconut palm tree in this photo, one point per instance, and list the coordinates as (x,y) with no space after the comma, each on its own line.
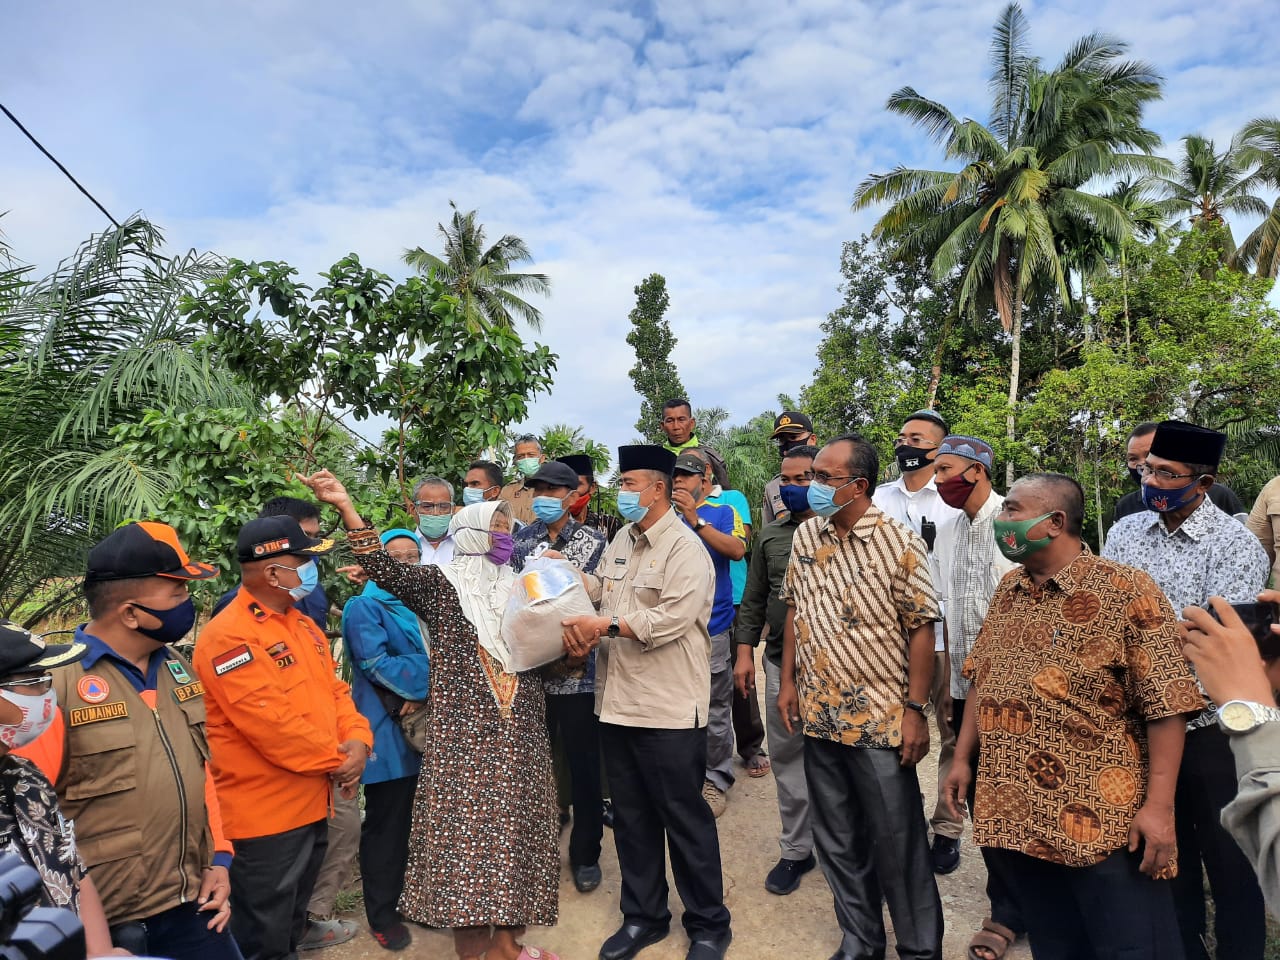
(1206,185)
(491,293)
(997,219)
(1260,148)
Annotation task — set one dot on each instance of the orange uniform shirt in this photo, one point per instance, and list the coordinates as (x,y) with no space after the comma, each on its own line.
(276,713)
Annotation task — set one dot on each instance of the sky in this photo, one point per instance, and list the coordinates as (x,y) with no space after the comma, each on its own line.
(717,142)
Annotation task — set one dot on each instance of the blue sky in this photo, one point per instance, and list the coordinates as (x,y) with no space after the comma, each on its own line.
(717,143)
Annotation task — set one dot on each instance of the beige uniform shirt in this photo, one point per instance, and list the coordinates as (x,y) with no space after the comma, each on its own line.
(1264,521)
(520,497)
(661,582)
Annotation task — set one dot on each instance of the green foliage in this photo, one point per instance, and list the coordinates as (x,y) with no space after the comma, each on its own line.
(562,439)
(654,375)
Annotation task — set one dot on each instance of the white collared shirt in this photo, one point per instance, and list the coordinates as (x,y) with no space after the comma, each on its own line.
(436,554)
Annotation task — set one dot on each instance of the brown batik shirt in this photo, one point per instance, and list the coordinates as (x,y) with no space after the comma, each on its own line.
(857,599)
(1066,675)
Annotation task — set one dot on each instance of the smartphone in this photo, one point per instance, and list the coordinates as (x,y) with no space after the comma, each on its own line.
(1259,617)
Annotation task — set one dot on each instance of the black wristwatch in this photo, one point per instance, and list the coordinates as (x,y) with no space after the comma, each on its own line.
(614,629)
(920,708)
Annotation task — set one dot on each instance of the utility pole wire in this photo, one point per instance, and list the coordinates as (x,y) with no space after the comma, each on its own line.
(67,173)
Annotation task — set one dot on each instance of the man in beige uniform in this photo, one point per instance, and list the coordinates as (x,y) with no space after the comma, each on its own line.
(654,589)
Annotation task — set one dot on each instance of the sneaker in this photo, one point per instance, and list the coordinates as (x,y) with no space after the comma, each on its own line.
(784,878)
(326,933)
(716,798)
(394,937)
(945,853)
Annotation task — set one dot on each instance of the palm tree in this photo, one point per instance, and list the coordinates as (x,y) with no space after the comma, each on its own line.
(1207,185)
(489,290)
(1260,147)
(1050,134)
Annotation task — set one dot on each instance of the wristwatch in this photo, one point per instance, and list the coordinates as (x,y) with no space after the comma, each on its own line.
(1243,716)
(700,524)
(614,628)
(920,708)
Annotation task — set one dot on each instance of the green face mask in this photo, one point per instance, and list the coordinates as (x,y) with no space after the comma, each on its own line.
(1011,537)
(527,466)
(434,526)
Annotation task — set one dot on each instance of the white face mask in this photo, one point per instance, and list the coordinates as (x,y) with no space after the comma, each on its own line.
(37,715)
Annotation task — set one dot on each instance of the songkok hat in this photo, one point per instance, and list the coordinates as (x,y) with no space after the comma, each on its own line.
(1187,443)
(580,463)
(645,456)
(971,448)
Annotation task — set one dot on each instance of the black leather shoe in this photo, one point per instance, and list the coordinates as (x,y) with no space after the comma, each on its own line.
(586,878)
(709,949)
(945,854)
(841,955)
(631,938)
(606,815)
(784,878)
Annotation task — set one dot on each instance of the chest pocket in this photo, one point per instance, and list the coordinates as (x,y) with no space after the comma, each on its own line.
(102,759)
(648,587)
(193,710)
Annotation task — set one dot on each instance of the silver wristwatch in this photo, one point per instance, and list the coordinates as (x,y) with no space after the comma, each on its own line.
(1242,716)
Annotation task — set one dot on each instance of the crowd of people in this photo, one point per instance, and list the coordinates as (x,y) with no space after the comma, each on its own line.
(1108,722)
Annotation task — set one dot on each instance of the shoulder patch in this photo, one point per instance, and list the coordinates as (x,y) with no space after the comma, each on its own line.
(233,658)
(103,711)
(256,610)
(188,692)
(93,688)
(177,671)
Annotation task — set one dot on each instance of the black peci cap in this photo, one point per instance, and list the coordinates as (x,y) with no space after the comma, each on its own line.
(645,456)
(1188,443)
(580,463)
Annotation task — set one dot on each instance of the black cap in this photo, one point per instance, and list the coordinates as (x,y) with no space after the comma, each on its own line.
(645,456)
(268,537)
(1188,443)
(555,474)
(690,463)
(790,421)
(146,549)
(580,463)
(21,651)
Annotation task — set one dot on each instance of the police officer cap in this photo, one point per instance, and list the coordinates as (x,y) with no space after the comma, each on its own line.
(21,651)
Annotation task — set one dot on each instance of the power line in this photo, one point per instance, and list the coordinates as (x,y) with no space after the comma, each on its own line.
(67,173)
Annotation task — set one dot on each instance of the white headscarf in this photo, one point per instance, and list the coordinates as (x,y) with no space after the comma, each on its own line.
(482,586)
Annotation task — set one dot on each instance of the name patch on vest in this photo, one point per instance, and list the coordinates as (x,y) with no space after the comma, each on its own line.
(233,658)
(185,693)
(103,711)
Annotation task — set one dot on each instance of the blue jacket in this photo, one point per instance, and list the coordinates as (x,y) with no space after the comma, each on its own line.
(385,646)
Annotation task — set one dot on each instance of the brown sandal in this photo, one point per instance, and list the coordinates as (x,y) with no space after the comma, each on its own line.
(993,936)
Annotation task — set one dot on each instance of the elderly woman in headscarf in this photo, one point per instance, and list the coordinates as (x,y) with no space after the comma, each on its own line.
(389,676)
(483,857)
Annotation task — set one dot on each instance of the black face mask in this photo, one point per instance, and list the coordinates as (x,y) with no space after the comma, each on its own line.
(1136,475)
(785,446)
(911,459)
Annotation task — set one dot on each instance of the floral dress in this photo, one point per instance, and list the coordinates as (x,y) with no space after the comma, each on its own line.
(483,846)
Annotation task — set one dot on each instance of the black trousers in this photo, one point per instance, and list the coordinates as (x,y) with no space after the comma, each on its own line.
(384,847)
(1206,784)
(271,881)
(573,717)
(748,728)
(656,779)
(1109,911)
(1004,908)
(872,841)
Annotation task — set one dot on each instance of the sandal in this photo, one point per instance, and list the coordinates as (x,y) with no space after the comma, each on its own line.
(995,937)
(758,766)
(533,953)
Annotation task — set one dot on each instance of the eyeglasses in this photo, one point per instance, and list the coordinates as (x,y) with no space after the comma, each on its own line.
(913,439)
(1161,474)
(827,478)
(35,687)
(405,556)
(428,507)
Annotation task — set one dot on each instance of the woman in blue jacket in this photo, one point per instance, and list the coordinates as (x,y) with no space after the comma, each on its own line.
(389,670)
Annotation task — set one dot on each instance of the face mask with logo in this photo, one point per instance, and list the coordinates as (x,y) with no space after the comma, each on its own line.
(954,491)
(629,505)
(822,498)
(548,509)
(1011,537)
(175,623)
(308,574)
(794,497)
(527,466)
(1166,501)
(911,459)
(473,495)
(502,545)
(434,526)
(37,714)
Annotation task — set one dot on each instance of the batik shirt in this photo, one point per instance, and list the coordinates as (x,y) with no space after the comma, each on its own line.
(857,599)
(32,826)
(1066,675)
(1210,554)
(582,546)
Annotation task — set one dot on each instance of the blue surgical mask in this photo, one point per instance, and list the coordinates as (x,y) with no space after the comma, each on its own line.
(175,623)
(472,496)
(794,497)
(1166,501)
(309,577)
(434,526)
(548,509)
(629,506)
(822,498)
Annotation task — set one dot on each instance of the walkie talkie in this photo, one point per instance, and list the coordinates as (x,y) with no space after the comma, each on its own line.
(929,532)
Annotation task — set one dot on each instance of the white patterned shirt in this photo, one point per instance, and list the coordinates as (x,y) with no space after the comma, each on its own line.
(975,567)
(1211,554)
(912,508)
